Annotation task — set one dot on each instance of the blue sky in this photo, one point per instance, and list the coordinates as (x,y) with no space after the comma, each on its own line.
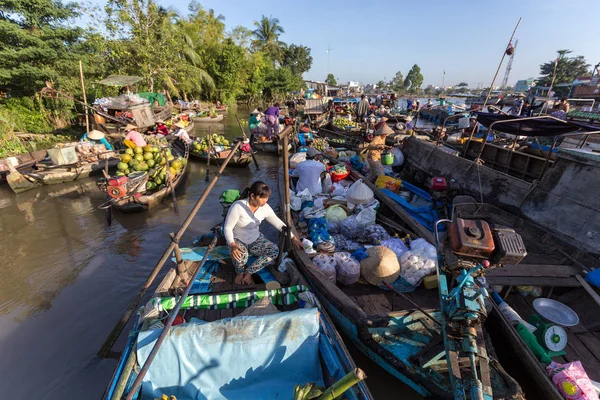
(374,39)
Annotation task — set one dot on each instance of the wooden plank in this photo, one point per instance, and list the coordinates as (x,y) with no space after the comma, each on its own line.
(591,342)
(381,303)
(535,270)
(589,289)
(365,303)
(167,281)
(580,352)
(533,281)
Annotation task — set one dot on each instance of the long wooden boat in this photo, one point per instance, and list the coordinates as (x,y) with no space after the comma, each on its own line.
(556,268)
(241,160)
(54,174)
(201,120)
(224,347)
(138,202)
(265,146)
(397,332)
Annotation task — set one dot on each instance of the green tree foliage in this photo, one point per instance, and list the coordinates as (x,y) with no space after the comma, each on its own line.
(241,36)
(296,58)
(330,80)
(414,79)
(567,69)
(397,83)
(266,37)
(381,85)
(226,66)
(280,81)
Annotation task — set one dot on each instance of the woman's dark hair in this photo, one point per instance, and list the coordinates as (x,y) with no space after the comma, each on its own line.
(258,189)
(556,106)
(276,105)
(259,109)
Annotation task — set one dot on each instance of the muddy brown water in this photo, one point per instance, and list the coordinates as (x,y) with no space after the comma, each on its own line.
(67,278)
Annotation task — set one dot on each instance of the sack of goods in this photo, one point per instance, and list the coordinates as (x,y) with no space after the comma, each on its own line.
(347,268)
(327,265)
(380,265)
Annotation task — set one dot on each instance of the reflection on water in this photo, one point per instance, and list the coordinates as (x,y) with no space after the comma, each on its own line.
(67,279)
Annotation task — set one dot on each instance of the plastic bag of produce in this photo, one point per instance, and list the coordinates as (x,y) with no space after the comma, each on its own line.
(308,246)
(398,157)
(327,185)
(396,245)
(359,193)
(350,228)
(380,265)
(336,214)
(297,158)
(347,268)
(374,234)
(572,381)
(423,246)
(339,190)
(295,202)
(305,195)
(327,265)
(417,264)
(366,217)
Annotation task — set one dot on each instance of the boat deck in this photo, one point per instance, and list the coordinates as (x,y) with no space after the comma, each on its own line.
(376,301)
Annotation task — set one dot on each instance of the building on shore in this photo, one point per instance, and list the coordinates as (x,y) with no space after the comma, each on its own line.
(524,85)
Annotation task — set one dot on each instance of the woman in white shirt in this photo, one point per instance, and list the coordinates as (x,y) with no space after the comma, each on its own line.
(242,232)
(180,132)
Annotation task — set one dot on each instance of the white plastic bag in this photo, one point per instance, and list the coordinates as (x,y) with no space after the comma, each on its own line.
(282,267)
(305,195)
(308,246)
(327,184)
(366,217)
(297,158)
(396,245)
(347,268)
(339,190)
(295,202)
(359,193)
(398,157)
(327,265)
(417,263)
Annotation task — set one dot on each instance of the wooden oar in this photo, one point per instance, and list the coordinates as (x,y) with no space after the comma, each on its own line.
(169,323)
(244,135)
(116,331)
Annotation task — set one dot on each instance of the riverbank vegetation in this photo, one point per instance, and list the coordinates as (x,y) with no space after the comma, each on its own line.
(186,56)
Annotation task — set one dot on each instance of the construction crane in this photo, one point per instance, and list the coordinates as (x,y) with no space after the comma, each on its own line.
(509,66)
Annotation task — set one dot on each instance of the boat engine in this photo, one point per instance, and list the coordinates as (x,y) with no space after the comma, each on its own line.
(474,242)
(116,187)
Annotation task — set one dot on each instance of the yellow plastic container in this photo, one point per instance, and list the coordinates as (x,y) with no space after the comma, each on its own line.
(430,282)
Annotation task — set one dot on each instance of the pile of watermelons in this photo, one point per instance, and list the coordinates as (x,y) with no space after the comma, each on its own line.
(155,161)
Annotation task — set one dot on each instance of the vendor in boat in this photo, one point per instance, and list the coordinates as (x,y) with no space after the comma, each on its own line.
(272,120)
(242,232)
(362,109)
(375,149)
(180,132)
(254,121)
(96,137)
(310,173)
(558,112)
(134,136)
(380,123)
(161,128)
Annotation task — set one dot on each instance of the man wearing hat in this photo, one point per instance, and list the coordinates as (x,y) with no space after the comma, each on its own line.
(310,172)
(375,149)
(181,133)
(134,136)
(96,137)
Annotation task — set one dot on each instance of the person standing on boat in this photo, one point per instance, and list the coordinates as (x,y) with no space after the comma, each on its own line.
(254,121)
(134,136)
(181,133)
(310,173)
(242,232)
(272,117)
(96,137)
(362,109)
(375,149)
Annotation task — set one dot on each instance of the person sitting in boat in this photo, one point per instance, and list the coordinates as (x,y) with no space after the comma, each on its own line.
(161,128)
(558,112)
(375,149)
(564,105)
(254,121)
(134,136)
(96,137)
(272,116)
(429,103)
(310,172)
(242,232)
(180,132)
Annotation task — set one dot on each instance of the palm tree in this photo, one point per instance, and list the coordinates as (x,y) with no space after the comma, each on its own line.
(267,36)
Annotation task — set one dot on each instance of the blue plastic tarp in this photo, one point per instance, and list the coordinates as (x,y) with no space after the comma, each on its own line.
(234,358)
(426,216)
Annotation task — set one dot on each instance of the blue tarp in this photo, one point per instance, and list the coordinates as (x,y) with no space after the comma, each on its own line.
(235,358)
(426,216)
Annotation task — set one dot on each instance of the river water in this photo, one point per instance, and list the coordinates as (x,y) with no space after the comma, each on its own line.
(67,278)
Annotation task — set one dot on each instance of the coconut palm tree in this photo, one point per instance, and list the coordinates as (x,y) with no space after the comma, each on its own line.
(267,37)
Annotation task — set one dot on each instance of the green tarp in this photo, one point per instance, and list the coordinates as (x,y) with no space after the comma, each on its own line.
(151,97)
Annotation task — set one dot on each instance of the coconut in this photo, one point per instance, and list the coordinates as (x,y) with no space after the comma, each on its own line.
(380,265)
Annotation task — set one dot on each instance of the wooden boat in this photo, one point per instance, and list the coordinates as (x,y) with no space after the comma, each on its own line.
(25,161)
(342,139)
(556,267)
(202,120)
(222,110)
(228,348)
(397,332)
(53,174)
(352,132)
(241,160)
(137,202)
(266,146)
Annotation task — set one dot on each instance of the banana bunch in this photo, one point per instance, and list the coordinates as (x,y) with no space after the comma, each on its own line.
(308,391)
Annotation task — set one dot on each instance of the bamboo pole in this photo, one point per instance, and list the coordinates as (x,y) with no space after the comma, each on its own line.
(553,77)
(172,315)
(87,118)
(114,334)
(494,80)
(286,172)
(339,388)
